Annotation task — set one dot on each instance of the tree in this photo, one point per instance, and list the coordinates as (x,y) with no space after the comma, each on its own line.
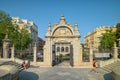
(23,39)
(6,26)
(19,37)
(108,39)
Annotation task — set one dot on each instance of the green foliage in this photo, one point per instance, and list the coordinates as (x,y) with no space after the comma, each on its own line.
(19,37)
(84,54)
(23,39)
(6,26)
(118,31)
(108,39)
(61,56)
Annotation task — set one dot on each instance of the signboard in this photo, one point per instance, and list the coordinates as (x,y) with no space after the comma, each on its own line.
(102,55)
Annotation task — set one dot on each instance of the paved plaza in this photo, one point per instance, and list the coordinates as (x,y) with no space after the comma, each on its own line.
(60,73)
(63,71)
(54,73)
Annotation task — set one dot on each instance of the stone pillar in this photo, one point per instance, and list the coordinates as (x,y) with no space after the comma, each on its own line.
(115,51)
(76,54)
(12,52)
(81,53)
(118,46)
(6,48)
(35,51)
(47,53)
(118,42)
(91,54)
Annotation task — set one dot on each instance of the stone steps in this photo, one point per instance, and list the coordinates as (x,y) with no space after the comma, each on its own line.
(109,67)
(14,63)
(104,72)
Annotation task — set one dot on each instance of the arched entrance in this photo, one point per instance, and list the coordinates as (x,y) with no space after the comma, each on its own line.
(62,39)
(62,53)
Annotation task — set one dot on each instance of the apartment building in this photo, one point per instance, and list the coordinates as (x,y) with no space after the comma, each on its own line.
(92,40)
(40,45)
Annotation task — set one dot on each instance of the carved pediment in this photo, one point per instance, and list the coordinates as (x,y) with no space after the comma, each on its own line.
(62,31)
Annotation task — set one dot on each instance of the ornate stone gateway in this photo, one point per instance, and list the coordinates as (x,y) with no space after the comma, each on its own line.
(62,38)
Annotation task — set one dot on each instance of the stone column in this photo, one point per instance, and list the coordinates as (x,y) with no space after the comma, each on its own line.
(115,51)
(118,42)
(35,51)
(76,53)
(91,54)
(12,52)
(6,48)
(118,46)
(81,50)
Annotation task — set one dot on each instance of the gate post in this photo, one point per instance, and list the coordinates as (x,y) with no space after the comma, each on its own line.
(34,52)
(115,51)
(91,54)
(12,52)
(6,47)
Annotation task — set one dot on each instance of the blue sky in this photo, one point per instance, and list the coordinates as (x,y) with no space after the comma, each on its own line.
(89,14)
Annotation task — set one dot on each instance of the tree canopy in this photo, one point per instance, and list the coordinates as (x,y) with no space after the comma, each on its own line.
(6,26)
(23,39)
(19,37)
(108,39)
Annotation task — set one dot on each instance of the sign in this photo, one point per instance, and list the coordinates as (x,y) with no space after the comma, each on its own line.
(102,55)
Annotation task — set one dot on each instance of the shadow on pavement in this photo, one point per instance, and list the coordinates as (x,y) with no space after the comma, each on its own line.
(24,75)
(108,76)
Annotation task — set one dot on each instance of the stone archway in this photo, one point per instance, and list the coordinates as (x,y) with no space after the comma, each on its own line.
(62,38)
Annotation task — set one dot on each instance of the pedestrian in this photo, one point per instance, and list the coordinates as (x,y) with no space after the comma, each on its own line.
(24,64)
(94,66)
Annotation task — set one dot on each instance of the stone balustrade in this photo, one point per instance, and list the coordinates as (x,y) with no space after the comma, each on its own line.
(116,72)
(106,62)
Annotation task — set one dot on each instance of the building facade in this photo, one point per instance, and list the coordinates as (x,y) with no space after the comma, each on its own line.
(92,40)
(40,45)
(62,38)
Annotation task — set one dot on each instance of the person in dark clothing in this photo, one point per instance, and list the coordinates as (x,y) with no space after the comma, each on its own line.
(94,66)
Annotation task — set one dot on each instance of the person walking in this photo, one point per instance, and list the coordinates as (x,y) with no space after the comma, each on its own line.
(94,66)
(24,65)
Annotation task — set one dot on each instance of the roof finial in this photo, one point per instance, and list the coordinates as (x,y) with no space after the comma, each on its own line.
(49,25)
(76,25)
(62,19)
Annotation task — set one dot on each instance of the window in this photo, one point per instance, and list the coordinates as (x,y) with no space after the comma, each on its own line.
(62,49)
(66,49)
(58,49)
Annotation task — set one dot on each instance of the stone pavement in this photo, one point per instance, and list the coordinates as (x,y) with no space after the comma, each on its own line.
(64,64)
(54,73)
(63,71)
